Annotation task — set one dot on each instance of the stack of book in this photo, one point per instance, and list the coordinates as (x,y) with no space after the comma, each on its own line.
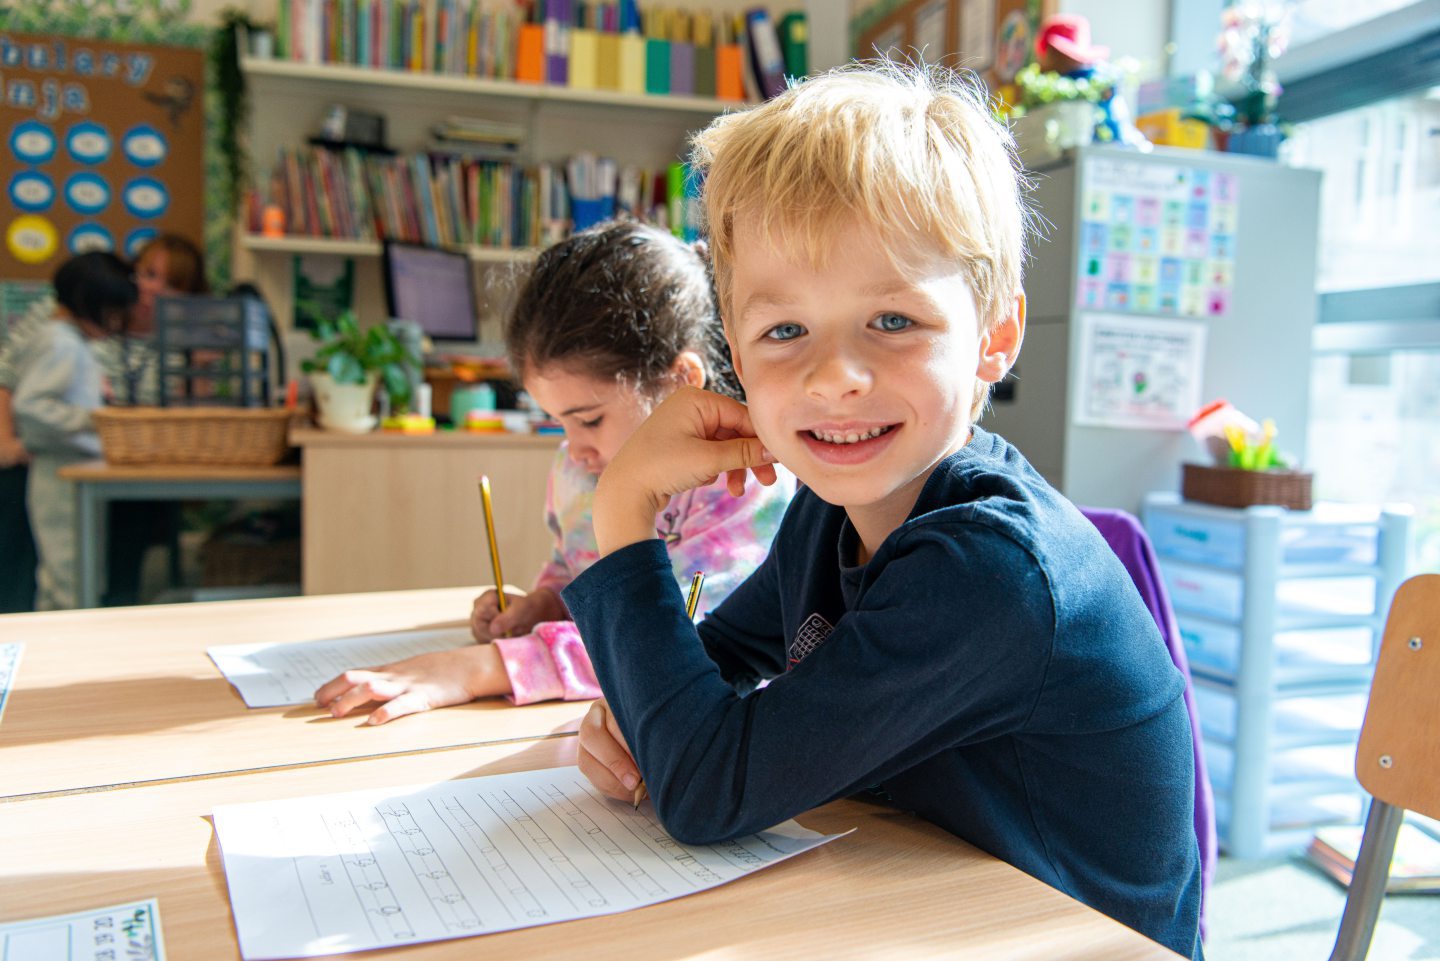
(1415,868)
(585,44)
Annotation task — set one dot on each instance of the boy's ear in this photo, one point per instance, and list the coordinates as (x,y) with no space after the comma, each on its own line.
(689,368)
(1000,345)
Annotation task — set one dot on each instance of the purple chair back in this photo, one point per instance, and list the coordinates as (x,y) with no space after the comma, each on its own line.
(1132,545)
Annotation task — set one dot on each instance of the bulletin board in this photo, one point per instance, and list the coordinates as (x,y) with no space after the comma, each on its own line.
(995,38)
(102,148)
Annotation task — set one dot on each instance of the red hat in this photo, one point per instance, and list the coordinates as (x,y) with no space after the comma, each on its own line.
(1069,34)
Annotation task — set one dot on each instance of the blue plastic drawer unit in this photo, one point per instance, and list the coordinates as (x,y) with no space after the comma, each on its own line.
(1280,613)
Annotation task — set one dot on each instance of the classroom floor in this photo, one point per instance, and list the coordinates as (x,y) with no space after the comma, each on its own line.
(1282,909)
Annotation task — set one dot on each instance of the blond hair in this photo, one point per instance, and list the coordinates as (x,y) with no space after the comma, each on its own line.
(911,150)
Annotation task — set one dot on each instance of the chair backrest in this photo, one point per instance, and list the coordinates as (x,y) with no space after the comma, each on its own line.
(1127,538)
(1398,759)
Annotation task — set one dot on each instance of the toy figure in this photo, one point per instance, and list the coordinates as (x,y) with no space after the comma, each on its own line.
(1063,47)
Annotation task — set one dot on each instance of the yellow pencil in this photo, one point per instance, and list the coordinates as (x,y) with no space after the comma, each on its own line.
(691,603)
(494,548)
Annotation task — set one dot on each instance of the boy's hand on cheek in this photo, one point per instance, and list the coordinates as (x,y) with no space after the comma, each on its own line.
(687,442)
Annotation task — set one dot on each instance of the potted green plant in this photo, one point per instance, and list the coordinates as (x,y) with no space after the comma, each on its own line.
(1055,112)
(348,366)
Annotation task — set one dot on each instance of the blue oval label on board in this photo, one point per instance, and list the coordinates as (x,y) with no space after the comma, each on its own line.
(137,239)
(32,191)
(32,142)
(88,193)
(88,142)
(90,237)
(144,146)
(145,197)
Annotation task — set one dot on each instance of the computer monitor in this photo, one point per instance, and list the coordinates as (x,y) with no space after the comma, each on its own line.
(433,288)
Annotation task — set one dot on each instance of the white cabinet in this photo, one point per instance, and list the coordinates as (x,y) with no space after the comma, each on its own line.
(1281,613)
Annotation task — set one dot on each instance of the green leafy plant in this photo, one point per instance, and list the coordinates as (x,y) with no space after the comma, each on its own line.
(1040,87)
(348,354)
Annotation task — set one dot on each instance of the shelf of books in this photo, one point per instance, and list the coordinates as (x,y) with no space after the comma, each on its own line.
(291,244)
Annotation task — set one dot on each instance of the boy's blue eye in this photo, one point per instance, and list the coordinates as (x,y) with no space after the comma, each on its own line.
(784,332)
(892,322)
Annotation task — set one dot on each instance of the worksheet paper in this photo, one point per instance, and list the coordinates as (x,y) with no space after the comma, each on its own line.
(125,932)
(9,661)
(370,869)
(276,675)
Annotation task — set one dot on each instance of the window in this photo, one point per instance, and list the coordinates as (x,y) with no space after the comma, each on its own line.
(1380,198)
(1375,439)
(1313,19)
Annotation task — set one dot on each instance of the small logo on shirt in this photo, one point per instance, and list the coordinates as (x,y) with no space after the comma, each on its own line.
(810,636)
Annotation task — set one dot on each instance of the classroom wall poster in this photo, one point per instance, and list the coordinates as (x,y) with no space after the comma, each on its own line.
(1157,239)
(1140,373)
(102,144)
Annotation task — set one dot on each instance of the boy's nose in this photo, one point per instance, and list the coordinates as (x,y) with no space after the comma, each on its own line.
(837,375)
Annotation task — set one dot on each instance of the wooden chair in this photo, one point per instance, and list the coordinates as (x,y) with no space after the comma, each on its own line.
(1398,760)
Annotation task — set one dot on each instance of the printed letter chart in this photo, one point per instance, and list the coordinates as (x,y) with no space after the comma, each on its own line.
(126,932)
(275,675)
(369,869)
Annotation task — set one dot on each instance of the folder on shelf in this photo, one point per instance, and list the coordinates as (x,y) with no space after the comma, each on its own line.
(657,66)
(557,41)
(530,54)
(584,53)
(795,43)
(632,63)
(767,63)
(607,61)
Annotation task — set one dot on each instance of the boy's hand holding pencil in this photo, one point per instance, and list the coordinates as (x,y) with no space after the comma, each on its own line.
(687,442)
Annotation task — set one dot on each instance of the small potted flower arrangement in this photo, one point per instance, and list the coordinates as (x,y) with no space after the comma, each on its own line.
(1252,35)
(1249,468)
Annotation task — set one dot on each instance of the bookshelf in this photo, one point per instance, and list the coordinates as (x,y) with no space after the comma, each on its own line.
(288,100)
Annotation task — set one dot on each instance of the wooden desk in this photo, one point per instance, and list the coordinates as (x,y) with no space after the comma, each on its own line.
(388,511)
(896,888)
(127,695)
(97,483)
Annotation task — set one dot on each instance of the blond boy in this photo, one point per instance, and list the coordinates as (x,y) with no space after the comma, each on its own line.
(935,621)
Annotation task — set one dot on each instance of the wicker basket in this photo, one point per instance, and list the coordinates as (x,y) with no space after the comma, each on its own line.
(230,436)
(1233,487)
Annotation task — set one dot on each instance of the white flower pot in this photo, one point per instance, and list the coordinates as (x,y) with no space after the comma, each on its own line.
(345,407)
(1045,133)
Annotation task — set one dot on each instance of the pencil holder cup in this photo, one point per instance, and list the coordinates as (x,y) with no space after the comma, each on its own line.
(588,213)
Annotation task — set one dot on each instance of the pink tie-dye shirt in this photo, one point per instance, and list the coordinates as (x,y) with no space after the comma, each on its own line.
(705,530)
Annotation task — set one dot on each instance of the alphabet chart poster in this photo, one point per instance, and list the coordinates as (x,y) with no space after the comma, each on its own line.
(1157,239)
(102,148)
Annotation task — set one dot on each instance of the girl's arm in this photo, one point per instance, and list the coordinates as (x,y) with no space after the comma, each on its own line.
(12,451)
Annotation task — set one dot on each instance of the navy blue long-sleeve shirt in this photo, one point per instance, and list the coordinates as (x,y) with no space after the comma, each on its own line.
(991,668)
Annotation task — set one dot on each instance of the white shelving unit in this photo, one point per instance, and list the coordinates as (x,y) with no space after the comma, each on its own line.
(288,100)
(1281,613)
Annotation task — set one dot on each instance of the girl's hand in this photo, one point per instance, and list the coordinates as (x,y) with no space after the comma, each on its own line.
(687,442)
(416,684)
(522,613)
(12,452)
(604,757)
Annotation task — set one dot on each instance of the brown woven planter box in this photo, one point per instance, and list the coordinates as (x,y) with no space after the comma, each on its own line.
(1233,487)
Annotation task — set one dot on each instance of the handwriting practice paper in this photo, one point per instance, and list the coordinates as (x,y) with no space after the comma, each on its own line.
(9,662)
(369,869)
(125,932)
(276,675)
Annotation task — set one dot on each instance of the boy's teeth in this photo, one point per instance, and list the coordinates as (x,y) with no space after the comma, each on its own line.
(847,437)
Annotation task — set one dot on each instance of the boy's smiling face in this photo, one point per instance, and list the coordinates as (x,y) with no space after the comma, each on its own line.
(860,377)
